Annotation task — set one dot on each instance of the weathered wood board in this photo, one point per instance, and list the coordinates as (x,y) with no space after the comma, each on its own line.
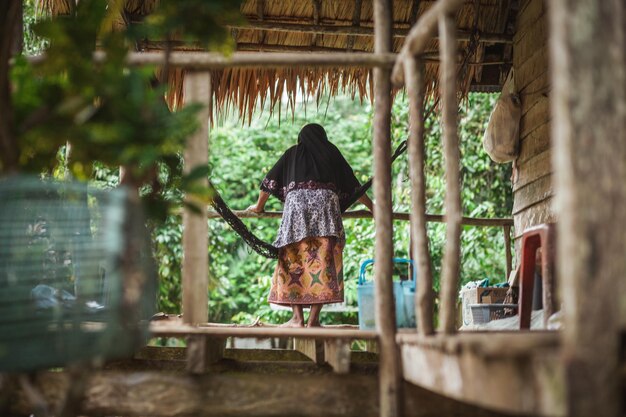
(533,186)
(535,168)
(531,93)
(542,212)
(517,373)
(533,193)
(534,143)
(536,115)
(233,395)
(529,12)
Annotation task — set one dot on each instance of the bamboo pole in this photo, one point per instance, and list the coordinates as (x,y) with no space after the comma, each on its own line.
(451,258)
(419,36)
(365,214)
(356,22)
(149,46)
(316,19)
(210,60)
(390,372)
(354,30)
(195,227)
(260,11)
(424,295)
(588,104)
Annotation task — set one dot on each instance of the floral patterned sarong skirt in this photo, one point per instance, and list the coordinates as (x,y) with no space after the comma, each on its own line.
(309,272)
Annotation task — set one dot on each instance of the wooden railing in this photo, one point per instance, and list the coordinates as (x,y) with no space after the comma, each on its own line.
(504,223)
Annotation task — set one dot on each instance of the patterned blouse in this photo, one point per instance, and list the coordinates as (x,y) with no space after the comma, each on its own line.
(310,211)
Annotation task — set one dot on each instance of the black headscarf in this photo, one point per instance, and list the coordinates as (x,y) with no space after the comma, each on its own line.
(313,163)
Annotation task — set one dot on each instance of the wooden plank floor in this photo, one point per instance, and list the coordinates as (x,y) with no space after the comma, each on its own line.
(513,372)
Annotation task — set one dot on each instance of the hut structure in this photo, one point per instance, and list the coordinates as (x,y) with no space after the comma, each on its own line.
(568,62)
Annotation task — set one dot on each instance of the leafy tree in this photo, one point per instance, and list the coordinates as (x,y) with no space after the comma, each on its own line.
(107,111)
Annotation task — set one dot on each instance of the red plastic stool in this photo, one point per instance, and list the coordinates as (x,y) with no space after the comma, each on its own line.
(541,236)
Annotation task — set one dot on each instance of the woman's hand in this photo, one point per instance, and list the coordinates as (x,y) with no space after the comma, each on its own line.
(259,206)
(255,209)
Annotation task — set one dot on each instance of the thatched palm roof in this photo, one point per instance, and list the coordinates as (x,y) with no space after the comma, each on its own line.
(485,31)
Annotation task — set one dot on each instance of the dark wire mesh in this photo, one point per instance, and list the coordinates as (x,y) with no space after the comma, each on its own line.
(62,288)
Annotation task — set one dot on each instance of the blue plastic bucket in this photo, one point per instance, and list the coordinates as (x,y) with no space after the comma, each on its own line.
(403,294)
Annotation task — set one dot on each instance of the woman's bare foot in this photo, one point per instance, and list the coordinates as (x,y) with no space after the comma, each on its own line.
(293,322)
(297,320)
(314,316)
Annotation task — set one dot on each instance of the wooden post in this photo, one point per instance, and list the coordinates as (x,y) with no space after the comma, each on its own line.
(507,249)
(10,13)
(337,355)
(451,257)
(195,227)
(18,36)
(389,367)
(588,104)
(422,33)
(202,352)
(414,76)
(311,348)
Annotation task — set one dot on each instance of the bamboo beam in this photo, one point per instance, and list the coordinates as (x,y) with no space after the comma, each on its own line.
(181,46)
(365,214)
(390,372)
(159,329)
(195,227)
(588,105)
(415,7)
(291,48)
(421,34)
(260,11)
(202,61)
(365,30)
(424,294)
(451,257)
(209,60)
(356,22)
(316,19)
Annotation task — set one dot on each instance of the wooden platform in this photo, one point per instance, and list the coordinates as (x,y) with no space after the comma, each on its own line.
(261,361)
(511,372)
(177,329)
(206,343)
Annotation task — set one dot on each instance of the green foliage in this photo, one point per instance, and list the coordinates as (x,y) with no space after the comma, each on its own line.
(240,157)
(33,44)
(108,112)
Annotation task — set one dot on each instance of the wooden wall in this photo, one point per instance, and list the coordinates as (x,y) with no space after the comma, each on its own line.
(532,181)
